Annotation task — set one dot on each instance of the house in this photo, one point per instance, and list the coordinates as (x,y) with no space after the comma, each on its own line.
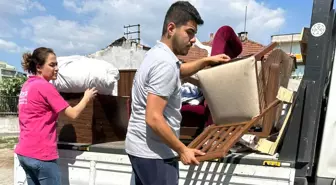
(126,56)
(294,44)
(8,71)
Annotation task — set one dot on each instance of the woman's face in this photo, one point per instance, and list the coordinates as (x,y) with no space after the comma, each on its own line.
(49,69)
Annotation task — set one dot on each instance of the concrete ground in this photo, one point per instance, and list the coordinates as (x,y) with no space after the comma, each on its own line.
(7,160)
(6,167)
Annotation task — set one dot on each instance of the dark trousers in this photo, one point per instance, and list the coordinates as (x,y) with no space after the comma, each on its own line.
(155,171)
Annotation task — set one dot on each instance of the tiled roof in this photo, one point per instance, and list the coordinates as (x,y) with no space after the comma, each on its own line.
(194,54)
(249,47)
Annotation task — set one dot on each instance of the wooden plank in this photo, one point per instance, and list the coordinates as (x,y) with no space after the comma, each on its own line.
(269,147)
(270,47)
(125,82)
(271,89)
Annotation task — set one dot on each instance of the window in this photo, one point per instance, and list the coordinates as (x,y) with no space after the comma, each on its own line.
(5,72)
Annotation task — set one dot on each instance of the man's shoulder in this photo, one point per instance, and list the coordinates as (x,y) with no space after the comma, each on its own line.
(157,53)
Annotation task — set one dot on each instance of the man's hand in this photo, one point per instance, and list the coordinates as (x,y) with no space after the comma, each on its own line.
(188,156)
(190,68)
(217,59)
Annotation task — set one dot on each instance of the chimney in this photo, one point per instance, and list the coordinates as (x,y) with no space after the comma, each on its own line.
(242,36)
(211,36)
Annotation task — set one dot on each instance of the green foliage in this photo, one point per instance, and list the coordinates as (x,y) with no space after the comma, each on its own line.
(9,91)
(11,86)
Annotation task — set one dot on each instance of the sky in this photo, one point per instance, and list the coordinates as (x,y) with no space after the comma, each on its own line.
(80,27)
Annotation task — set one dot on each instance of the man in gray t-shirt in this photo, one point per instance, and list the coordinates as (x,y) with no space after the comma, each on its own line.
(152,140)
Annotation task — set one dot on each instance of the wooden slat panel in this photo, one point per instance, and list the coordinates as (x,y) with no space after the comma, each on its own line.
(201,137)
(228,139)
(105,119)
(110,118)
(125,82)
(79,130)
(222,138)
(214,138)
(211,133)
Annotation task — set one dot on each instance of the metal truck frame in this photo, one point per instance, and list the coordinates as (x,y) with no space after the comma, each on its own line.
(303,158)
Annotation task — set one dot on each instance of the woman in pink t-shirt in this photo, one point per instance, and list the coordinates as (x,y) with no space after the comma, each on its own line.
(39,106)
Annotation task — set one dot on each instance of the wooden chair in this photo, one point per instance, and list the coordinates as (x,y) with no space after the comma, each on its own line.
(241,94)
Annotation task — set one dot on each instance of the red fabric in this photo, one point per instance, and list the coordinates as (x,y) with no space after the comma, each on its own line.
(192,115)
(197,109)
(226,41)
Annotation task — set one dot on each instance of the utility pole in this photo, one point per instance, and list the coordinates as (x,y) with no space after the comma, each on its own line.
(245,19)
(129,32)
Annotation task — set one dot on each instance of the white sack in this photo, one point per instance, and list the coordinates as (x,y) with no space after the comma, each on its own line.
(77,73)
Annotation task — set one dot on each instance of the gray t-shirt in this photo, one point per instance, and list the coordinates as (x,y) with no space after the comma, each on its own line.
(158,74)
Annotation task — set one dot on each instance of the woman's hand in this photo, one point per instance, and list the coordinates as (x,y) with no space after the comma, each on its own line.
(90,94)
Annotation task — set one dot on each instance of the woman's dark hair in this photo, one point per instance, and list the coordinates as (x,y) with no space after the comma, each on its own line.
(180,13)
(30,61)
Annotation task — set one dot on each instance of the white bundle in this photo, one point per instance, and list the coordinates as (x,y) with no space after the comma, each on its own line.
(77,73)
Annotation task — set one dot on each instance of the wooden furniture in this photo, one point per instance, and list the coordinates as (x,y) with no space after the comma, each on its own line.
(105,119)
(276,71)
(241,94)
(216,140)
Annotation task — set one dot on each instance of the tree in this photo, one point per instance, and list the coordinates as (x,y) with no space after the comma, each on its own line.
(9,91)
(11,86)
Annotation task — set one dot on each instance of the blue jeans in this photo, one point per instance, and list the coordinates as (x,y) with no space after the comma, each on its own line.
(40,172)
(155,171)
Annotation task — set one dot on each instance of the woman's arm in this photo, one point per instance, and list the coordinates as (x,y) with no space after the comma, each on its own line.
(74,112)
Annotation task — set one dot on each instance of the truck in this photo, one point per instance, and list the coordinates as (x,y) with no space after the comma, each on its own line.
(306,155)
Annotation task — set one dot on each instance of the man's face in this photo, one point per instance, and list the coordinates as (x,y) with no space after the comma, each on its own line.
(184,37)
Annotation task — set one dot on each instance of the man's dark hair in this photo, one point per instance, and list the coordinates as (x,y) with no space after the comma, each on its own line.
(180,13)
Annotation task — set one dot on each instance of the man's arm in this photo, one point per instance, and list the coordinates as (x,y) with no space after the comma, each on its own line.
(190,68)
(155,119)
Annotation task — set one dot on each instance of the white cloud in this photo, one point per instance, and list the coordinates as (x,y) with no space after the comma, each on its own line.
(37,5)
(9,46)
(19,7)
(105,19)
(63,35)
(113,14)
(11,10)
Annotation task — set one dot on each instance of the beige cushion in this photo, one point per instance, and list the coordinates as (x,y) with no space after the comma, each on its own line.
(231,91)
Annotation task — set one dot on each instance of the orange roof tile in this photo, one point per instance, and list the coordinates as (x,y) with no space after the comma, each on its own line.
(251,47)
(194,54)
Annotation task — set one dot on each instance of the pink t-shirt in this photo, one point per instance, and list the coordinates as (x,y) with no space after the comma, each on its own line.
(39,106)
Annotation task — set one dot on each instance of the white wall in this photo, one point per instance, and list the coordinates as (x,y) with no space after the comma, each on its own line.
(9,124)
(127,56)
(288,47)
